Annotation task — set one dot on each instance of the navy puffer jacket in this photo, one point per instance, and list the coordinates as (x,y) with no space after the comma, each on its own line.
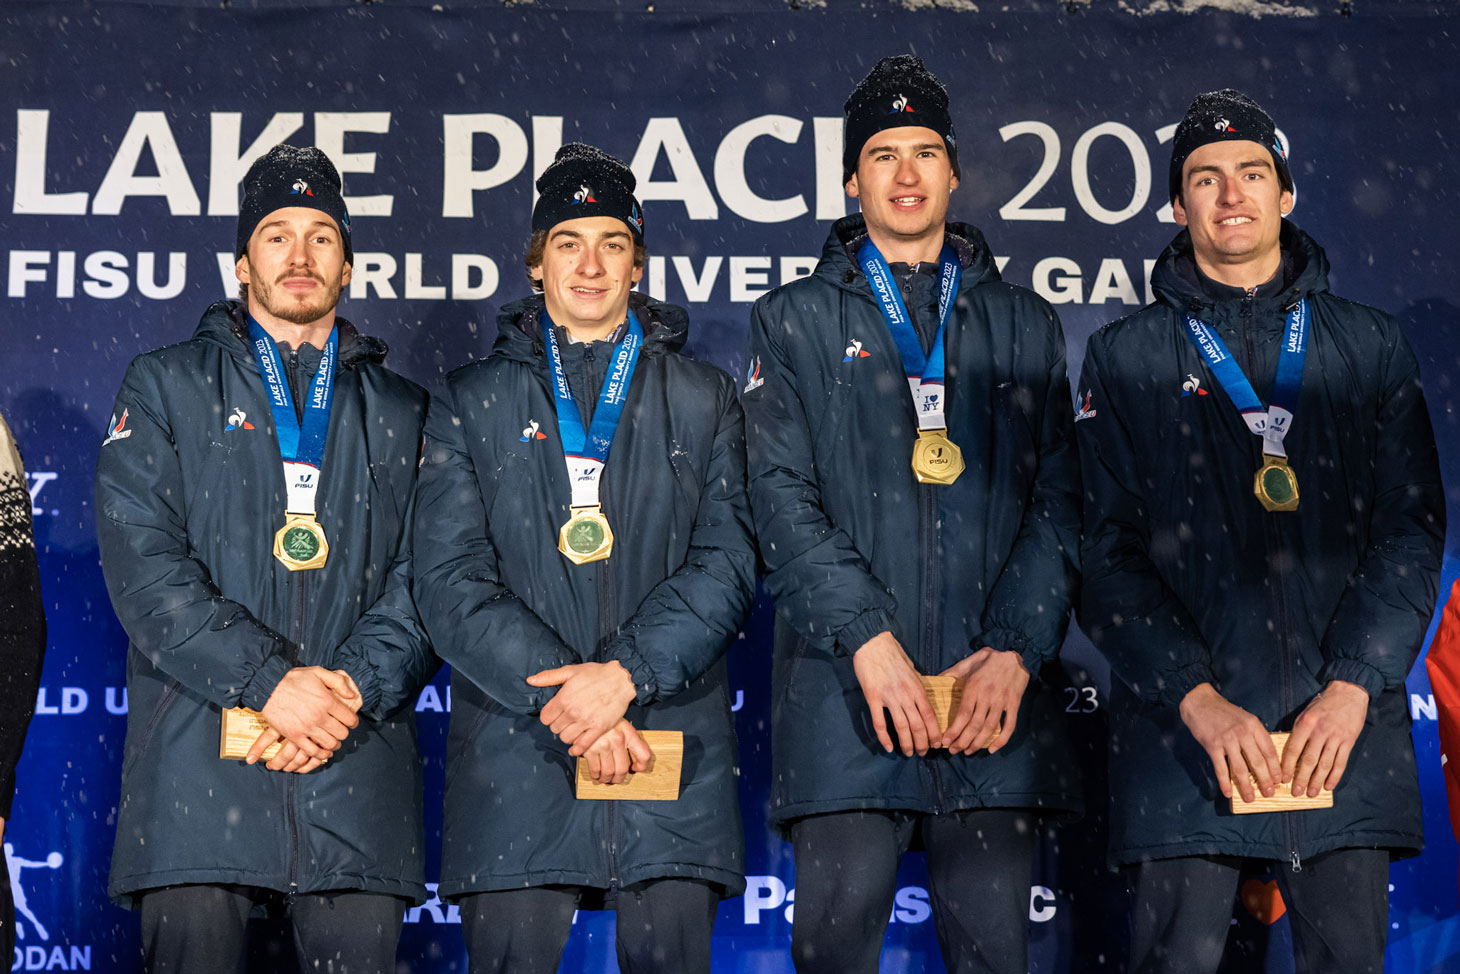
(853,545)
(1189,580)
(502,603)
(189,492)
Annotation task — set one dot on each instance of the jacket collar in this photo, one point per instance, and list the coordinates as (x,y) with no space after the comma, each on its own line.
(225,323)
(838,265)
(519,336)
(1176,282)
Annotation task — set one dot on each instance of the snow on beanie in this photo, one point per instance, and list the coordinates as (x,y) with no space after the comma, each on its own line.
(287,175)
(583,181)
(1226,116)
(897,93)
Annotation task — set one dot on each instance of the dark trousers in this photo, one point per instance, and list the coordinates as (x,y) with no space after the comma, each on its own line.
(662,926)
(201,929)
(1338,905)
(979,867)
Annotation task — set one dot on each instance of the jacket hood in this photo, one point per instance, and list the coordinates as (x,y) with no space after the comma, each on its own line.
(666,326)
(838,263)
(225,323)
(1175,282)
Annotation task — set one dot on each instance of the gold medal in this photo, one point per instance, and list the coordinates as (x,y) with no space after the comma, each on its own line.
(1275,485)
(585,536)
(300,543)
(936,459)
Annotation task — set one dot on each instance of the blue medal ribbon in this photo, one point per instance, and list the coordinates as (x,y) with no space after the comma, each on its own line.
(298,442)
(925,373)
(586,451)
(301,443)
(1271,423)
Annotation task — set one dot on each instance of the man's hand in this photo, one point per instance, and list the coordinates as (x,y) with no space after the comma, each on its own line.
(288,758)
(993,684)
(1323,737)
(312,708)
(890,682)
(1239,746)
(616,752)
(592,697)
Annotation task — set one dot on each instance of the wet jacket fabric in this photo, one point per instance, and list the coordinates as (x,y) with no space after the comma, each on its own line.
(502,603)
(190,490)
(1189,580)
(853,545)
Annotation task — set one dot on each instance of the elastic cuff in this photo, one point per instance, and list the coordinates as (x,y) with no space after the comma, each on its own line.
(856,633)
(363,674)
(1353,671)
(1011,641)
(623,651)
(1173,687)
(261,687)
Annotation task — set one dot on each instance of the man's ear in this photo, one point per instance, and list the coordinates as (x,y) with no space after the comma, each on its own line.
(851,187)
(345,276)
(1285,203)
(240,270)
(1178,212)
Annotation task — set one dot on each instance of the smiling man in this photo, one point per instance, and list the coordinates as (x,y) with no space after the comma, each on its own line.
(1263,530)
(253,500)
(916,496)
(584,560)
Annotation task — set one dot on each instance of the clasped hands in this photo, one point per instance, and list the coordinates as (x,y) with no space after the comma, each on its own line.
(587,714)
(1241,748)
(312,711)
(993,684)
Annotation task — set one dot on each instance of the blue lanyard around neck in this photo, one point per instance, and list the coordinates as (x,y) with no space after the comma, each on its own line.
(927,368)
(1272,424)
(593,443)
(301,442)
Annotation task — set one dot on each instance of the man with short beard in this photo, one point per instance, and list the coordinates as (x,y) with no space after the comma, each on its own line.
(1264,522)
(254,493)
(916,497)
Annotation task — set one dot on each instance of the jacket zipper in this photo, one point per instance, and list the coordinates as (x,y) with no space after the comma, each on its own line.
(296,584)
(927,543)
(610,810)
(927,531)
(1277,579)
(604,593)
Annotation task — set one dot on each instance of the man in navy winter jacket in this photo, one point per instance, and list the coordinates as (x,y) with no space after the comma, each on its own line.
(584,560)
(1263,531)
(916,496)
(253,505)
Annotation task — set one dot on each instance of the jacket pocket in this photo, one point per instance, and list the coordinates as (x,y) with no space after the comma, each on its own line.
(1016,424)
(459,752)
(164,703)
(686,477)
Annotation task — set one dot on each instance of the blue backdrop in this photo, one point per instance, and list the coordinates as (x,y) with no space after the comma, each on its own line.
(124,129)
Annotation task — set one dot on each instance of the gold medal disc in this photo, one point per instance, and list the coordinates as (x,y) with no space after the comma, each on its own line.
(585,536)
(936,459)
(1275,485)
(300,544)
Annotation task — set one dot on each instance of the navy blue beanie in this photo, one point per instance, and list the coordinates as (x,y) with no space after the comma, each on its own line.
(897,93)
(583,181)
(287,175)
(1226,116)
